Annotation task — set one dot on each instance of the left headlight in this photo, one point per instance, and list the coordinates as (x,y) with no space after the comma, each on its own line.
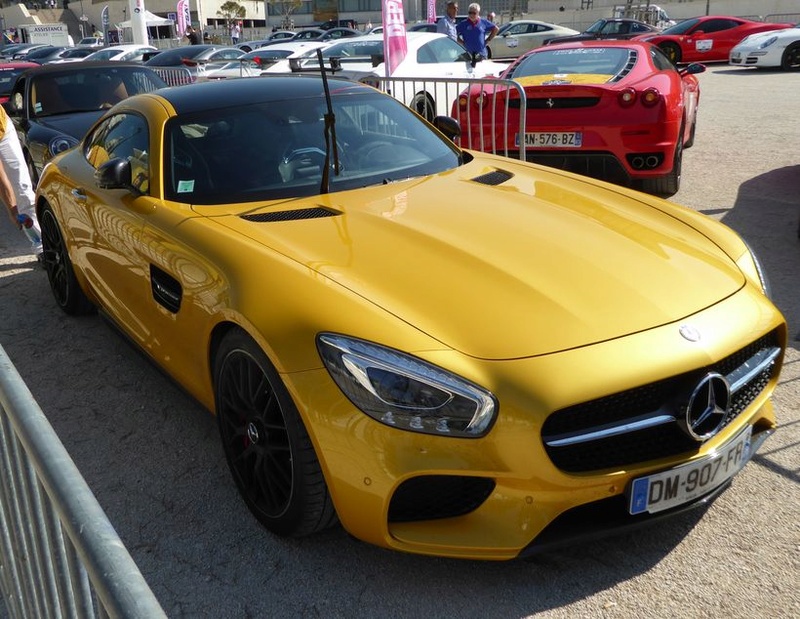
(404,392)
(61,143)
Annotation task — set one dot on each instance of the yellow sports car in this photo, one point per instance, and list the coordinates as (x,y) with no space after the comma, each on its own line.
(447,352)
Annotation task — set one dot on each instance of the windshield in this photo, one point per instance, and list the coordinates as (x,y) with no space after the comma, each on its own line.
(681,27)
(596,26)
(87,90)
(283,149)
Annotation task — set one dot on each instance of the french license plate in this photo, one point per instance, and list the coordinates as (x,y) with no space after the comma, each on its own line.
(684,483)
(549,139)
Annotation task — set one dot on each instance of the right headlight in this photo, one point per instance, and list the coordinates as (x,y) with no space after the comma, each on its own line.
(404,392)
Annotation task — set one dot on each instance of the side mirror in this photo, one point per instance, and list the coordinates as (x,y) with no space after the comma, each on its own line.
(693,69)
(114,174)
(448,126)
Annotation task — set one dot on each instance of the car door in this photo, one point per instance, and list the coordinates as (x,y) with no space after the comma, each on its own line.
(712,39)
(113,219)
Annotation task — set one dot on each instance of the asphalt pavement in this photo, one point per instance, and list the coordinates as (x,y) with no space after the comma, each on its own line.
(153,459)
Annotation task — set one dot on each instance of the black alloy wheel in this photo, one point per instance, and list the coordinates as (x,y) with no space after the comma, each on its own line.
(268,450)
(791,58)
(60,272)
(672,51)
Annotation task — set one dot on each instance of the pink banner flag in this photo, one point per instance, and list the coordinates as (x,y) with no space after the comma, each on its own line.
(432,11)
(395,46)
(184,18)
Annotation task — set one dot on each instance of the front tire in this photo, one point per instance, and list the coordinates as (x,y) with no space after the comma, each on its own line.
(672,51)
(267,447)
(790,61)
(60,272)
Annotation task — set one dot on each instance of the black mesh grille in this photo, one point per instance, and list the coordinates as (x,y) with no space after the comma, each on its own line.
(498,177)
(555,103)
(302,213)
(656,442)
(431,497)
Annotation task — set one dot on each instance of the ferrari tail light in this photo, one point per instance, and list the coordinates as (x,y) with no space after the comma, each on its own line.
(650,97)
(627,97)
(480,100)
(463,101)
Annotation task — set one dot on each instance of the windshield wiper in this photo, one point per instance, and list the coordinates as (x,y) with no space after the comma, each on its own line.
(330,133)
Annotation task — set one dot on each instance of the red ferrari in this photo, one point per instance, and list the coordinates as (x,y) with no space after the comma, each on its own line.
(619,111)
(706,39)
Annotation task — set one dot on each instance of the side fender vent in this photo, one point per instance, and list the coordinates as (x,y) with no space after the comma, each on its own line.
(167,290)
(498,177)
(303,213)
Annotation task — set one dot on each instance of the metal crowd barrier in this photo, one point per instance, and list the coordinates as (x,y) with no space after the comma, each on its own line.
(175,76)
(59,554)
(437,97)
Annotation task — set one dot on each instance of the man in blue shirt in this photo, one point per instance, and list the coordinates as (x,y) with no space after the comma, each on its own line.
(447,23)
(475,32)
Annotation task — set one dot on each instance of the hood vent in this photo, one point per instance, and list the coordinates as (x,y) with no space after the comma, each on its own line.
(295,215)
(498,177)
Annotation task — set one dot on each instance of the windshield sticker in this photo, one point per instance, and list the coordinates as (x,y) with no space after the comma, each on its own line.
(185,186)
(37,107)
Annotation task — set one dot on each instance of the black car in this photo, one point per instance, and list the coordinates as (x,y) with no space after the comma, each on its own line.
(53,106)
(612,28)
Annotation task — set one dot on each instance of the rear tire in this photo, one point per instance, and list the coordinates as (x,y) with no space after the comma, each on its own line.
(268,450)
(669,184)
(60,272)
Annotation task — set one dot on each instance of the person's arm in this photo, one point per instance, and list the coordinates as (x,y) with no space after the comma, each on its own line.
(492,33)
(8,196)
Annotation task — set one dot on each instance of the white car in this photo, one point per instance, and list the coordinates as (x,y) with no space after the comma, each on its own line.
(255,63)
(121,53)
(774,48)
(429,56)
(518,37)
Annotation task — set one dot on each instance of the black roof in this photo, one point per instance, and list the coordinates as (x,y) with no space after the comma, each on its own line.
(84,67)
(225,93)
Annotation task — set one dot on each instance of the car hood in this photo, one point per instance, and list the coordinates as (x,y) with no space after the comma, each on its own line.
(75,125)
(535,264)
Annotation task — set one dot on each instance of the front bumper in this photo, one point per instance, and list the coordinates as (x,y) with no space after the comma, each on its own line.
(502,496)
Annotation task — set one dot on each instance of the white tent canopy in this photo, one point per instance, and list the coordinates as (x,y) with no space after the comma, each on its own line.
(151,19)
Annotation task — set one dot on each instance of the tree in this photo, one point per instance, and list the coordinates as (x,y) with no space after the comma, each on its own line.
(284,7)
(231,11)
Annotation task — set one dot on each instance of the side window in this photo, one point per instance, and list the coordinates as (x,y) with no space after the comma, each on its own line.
(122,136)
(660,60)
(716,25)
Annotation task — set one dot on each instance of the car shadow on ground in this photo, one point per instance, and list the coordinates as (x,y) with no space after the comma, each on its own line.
(767,214)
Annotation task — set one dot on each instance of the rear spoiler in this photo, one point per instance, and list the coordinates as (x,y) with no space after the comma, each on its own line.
(309,65)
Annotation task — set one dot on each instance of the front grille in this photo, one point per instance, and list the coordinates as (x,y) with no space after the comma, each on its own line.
(662,403)
(430,497)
